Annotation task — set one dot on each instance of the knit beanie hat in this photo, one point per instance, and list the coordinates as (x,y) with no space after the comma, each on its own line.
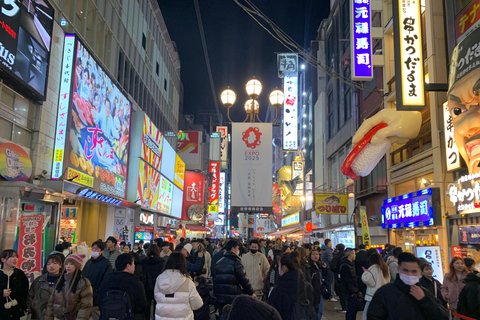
(76,259)
(188,246)
(246,307)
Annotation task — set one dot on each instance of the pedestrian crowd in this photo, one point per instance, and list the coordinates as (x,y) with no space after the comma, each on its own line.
(259,280)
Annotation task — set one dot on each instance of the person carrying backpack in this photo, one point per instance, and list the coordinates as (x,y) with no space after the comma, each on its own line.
(123,295)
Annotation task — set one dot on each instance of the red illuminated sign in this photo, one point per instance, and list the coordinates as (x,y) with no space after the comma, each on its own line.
(30,245)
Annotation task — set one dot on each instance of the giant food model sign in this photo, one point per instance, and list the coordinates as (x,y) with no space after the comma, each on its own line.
(361,41)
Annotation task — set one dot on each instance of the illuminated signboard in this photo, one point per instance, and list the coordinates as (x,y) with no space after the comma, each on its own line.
(168,161)
(328,203)
(92,194)
(165,196)
(177,203)
(147,218)
(98,129)
(290,113)
(147,185)
(63,106)
(179,172)
(408,55)
(467,20)
(15,163)
(152,143)
(433,255)
(451,153)
(224,144)
(410,210)
(291,219)
(361,41)
(25,38)
(213,189)
(465,195)
(221,193)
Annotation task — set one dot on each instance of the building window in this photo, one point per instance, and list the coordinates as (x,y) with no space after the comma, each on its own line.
(337,181)
(144,41)
(348,104)
(331,117)
(158,68)
(165,84)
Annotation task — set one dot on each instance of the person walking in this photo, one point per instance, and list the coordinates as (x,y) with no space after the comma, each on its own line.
(361,262)
(469,299)
(349,282)
(112,251)
(175,291)
(14,287)
(392,262)
(318,274)
(152,267)
(288,297)
(327,256)
(208,261)
(335,267)
(72,297)
(43,286)
(256,267)
(165,250)
(263,246)
(431,284)
(123,281)
(404,298)
(375,277)
(95,270)
(454,281)
(229,279)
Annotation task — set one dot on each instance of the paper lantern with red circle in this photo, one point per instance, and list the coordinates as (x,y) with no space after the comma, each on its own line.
(308,227)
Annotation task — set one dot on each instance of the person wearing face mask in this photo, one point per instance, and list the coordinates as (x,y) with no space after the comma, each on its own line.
(256,266)
(454,281)
(229,279)
(95,270)
(405,298)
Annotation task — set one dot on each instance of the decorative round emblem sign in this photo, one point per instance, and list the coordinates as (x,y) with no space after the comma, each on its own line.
(15,164)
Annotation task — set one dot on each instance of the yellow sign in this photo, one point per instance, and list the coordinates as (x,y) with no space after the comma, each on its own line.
(328,203)
(365,231)
(179,172)
(80,177)
(212,208)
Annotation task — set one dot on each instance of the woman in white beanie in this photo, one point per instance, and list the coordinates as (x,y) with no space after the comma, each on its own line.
(72,298)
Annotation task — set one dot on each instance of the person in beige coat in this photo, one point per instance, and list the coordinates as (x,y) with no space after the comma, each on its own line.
(256,266)
(454,281)
(73,294)
(375,277)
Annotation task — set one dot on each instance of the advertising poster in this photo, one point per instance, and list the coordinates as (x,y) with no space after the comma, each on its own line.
(433,255)
(179,172)
(15,164)
(224,144)
(365,229)
(291,220)
(25,37)
(251,188)
(147,187)
(30,245)
(193,196)
(327,203)
(152,143)
(290,114)
(213,190)
(165,196)
(99,129)
(189,148)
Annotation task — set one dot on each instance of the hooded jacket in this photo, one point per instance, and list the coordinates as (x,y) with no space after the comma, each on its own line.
(229,278)
(469,300)
(393,301)
(392,263)
(176,296)
(326,254)
(95,271)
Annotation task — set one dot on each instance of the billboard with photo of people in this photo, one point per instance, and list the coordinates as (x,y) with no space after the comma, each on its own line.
(97,149)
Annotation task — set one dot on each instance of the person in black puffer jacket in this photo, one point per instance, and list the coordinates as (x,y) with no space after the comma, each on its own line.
(152,268)
(203,290)
(469,299)
(229,277)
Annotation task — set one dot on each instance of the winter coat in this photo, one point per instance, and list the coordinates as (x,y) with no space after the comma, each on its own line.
(152,268)
(95,271)
(290,288)
(256,268)
(318,276)
(208,264)
(361,260)
(195,267)
(336,261)
(469,301)
(230,279)
(374,279)
(78,303)
(216,257)
(112,256)
(451,290)
(176,296)
(348,277)
(124,281)
(393,301)
(38,297)
(204,312)
(326,254)
(19,286)
(434,286)
(392,263)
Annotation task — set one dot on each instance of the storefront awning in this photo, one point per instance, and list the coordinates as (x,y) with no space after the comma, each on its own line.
(467,221)
(285,231)
(197,228)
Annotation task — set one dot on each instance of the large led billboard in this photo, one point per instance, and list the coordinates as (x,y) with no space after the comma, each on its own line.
(96,119)
(25,37)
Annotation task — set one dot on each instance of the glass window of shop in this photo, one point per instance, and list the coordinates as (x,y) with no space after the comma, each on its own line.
(17,117)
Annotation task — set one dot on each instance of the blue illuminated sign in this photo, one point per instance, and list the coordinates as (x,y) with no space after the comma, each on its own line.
(90,194)
(409,210)
(361,43)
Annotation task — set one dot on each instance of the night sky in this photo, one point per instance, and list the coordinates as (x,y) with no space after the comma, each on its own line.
(238,47)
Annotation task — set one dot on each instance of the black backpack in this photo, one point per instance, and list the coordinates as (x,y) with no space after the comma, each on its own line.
(116,305)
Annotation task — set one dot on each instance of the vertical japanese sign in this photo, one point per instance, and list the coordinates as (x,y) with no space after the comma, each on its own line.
(63,105)
(290,113)
(193,196)
(409,73)
(179,172)
(297,171)
(213,189)
(361,40)
(365,230)
(30,246)
(224,144)
(451,150)
(467,20)
(221,193)
(287,63)
(251,188)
